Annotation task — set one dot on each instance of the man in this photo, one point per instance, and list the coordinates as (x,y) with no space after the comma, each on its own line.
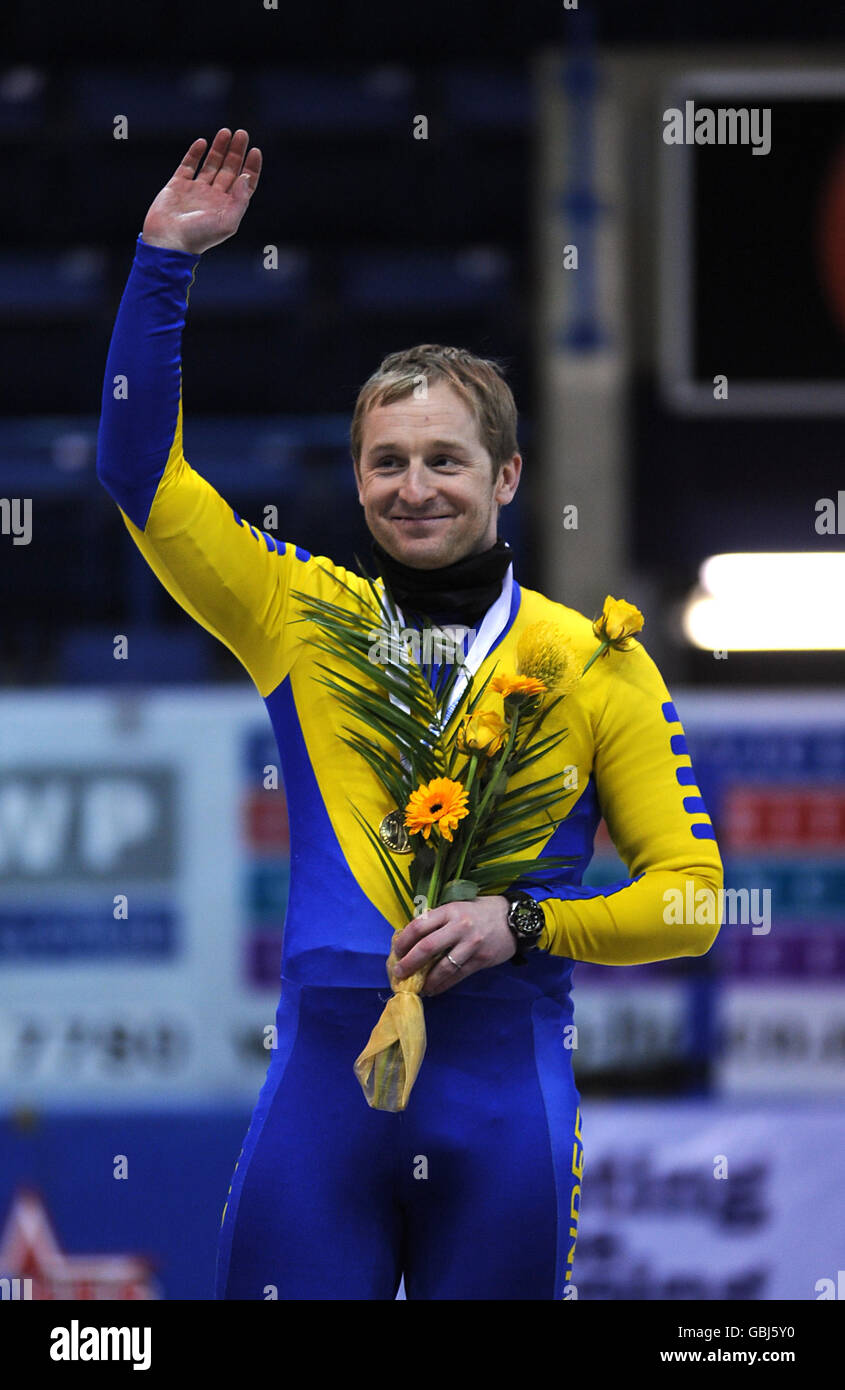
(474,1190)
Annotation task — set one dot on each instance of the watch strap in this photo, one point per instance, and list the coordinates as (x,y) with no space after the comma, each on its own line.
(523,947)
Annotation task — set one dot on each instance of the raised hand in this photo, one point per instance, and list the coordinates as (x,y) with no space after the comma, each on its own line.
(195,213)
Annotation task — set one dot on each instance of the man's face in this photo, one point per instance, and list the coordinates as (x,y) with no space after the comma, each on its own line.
(426,482)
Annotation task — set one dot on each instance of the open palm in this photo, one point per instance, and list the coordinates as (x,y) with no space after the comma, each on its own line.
(197,210)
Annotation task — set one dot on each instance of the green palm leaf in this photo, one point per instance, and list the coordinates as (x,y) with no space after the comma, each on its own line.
(384,768)
(506,872)
(398,884)
(395,701)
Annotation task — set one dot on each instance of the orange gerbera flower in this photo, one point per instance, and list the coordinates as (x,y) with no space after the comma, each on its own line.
(441,802)
(517,685)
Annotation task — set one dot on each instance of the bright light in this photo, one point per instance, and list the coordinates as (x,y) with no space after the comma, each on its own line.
(793,601)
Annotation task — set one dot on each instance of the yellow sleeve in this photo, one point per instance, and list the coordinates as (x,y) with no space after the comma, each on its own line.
(233,579)
(648,797)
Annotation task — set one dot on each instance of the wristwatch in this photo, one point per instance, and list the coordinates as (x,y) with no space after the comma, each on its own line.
(526,921)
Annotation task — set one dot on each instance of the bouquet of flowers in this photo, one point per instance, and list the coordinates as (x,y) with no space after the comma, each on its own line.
(448,762)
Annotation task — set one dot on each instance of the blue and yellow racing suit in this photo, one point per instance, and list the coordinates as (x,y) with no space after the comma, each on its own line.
(474,1190)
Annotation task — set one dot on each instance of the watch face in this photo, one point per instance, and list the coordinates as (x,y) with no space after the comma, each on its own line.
(528,918)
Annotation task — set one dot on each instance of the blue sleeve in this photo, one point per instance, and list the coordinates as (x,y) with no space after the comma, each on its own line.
(143,377)
(233,579)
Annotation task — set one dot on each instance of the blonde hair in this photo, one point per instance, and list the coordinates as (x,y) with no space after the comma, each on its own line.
(479,381)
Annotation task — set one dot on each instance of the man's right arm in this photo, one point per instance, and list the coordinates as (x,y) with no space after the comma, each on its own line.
(231,578)
(228,576)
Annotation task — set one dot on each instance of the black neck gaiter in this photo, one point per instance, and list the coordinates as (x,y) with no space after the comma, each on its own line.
(457,593)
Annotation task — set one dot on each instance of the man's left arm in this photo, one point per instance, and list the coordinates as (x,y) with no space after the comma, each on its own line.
(659,824)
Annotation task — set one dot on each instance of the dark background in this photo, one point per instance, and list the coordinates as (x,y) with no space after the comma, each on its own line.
(390,242)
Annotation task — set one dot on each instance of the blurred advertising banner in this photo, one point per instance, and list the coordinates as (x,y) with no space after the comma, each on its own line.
(114,1204)
(773,767)
(143,884)
(712,1200)
(764,1011)
(144,875)
(679,1200)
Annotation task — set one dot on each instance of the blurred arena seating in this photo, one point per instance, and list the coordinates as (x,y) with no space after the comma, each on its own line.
(286,321)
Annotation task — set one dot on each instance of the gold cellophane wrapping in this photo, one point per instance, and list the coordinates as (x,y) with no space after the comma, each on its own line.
(387,1068)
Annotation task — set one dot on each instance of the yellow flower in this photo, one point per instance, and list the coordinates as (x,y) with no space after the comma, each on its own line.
(517,686)
(618,622)
(482,733)
(545,652)
(441,802)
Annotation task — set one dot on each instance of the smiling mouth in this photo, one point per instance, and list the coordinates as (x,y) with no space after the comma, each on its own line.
(415,520)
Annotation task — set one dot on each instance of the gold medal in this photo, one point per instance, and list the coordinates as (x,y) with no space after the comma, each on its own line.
(394,834)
